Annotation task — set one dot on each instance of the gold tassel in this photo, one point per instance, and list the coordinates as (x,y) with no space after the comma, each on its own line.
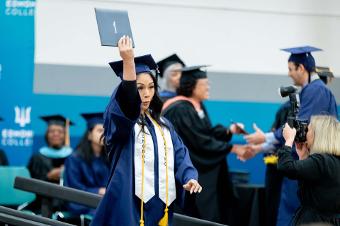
(164,220)
(67,133)
(141,223)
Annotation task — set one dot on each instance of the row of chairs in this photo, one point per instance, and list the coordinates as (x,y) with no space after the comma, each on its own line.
(10,196)
(25,189)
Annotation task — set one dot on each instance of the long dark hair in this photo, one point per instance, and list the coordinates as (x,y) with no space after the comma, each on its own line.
(156,105)
(85,149)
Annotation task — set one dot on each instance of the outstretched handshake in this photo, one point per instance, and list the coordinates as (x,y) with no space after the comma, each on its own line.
(255,142)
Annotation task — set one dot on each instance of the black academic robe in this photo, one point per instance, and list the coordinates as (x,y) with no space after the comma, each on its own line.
(273,177)
(208,146)
(3,158)
(319,186)
(39,166)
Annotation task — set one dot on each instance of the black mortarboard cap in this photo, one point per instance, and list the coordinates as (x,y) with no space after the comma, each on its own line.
(170,60)
(191,74)
(143,64)
(324,72)
(93,119)
(55,120)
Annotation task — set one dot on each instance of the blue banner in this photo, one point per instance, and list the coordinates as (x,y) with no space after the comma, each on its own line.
(16,78)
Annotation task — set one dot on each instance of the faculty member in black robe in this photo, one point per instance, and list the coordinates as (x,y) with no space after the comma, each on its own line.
(3,157)
(48,163)
(208,147)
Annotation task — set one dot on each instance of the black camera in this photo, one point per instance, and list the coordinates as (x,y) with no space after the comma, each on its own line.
(301,126)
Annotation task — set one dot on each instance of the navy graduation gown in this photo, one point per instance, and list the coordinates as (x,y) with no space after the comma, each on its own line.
(120,205)
(166,95)
(89,177)
(315,99)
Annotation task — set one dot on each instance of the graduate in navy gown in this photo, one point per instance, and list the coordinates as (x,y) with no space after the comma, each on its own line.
(315,99)
(48,163)
(150,166)
(87,168)
(169,71)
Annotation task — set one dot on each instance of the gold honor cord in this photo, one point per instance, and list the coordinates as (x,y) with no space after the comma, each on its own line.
(141,222)
(67,133)
(165,218)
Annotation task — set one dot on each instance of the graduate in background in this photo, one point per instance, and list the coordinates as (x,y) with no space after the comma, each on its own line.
(87,168)
(148,159)
(48,163)
(208,147)
(3,158)
(169,69)
(325,74)
(315,98)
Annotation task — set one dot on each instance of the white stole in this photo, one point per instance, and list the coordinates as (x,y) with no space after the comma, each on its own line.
(149,166)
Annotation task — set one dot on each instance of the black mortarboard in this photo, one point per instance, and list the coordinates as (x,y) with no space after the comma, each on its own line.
(143,64)
(191,74)
(55,120)
(324,72)
(93,119)
(170,60)
(302,55)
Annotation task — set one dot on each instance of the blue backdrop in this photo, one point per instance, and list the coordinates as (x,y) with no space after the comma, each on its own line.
(16,78)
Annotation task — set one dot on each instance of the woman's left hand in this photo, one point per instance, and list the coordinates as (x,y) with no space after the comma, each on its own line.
(192,186)
(289,134)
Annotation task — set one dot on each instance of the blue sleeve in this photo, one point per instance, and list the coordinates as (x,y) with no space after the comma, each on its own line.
(184,170)
(279,137)
(117,125)
(310,103)
(74,176)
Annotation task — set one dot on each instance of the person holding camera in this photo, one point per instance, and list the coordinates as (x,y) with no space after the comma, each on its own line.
(315,98)
(317,170)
